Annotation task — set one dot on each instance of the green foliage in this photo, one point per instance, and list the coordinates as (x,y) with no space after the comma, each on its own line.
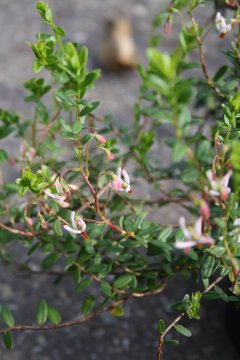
(183,330)
(42,312)
(8,340)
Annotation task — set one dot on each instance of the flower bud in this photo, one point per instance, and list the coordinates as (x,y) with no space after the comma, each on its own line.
(100,139)
(204,210)
(168,25)
(231,2)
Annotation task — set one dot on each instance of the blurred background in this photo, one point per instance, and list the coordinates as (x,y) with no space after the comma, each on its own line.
(133,336)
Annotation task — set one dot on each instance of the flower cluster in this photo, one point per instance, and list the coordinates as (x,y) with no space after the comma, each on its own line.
(222,27)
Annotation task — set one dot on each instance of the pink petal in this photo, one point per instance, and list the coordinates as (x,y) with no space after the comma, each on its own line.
(225,180)
(206,240)
(101,139)
(54,196)
(81,223)
(119,172)
(209,175)
(125,176)
(63,204)
(198,226)
(184,244)
(59,186)
(237,222)
(117,184)
(214,193)
(185,231)
(73,221)
(70,230)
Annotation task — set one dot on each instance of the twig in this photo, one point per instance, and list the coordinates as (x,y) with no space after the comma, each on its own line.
(75,322)
(203,61)
(178,318)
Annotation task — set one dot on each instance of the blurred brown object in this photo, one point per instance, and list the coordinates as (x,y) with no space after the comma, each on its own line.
(118,49)
(222,4)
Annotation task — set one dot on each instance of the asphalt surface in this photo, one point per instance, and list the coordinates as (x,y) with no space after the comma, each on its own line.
(133,337)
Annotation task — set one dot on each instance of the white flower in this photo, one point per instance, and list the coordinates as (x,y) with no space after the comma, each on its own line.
(219,186)
(78,225)
(193,235)
(60,196)
(118,183)
(236,222)
(221,25)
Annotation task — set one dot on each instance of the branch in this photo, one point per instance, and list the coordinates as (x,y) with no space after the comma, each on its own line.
(203,61)
(75,322)
(178,318)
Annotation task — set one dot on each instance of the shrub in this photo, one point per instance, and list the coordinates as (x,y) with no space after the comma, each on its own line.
(78,210)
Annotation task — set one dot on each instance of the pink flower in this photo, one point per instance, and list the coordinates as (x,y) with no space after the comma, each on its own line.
(100,139)
(219,186)
(78,225)
(110,155)
(118,184)
(221,25)
(60,196)
(193,235)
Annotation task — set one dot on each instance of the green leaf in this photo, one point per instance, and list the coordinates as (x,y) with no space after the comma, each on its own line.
(117,311)
(183,330)
(165,233)
(57,227)
(42,7)
(122,281)
(106,288)
(75,273)
(37,66)
(220,73)
(3,156)
(7,316)
(88,305)
(72,55)
(83,58)
(48,15)
(179,151)
(83,285)
(69,135)
(8,340)
(221,293)
(59,31)
(211,295)
(90,108)
(42,312)
(86,138)
(50,260)
(162,63)
(54,315)
(170,342)
(161,326)
(90,78)
(208,267)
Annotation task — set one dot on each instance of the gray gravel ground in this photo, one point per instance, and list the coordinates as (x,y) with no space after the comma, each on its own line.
(104,338)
